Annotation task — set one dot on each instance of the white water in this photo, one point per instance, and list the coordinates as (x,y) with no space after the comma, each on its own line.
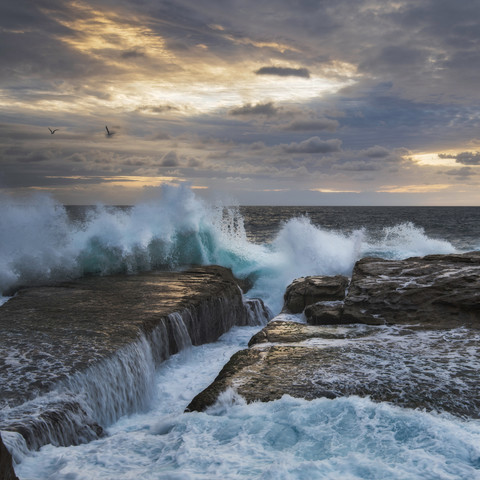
(38,242)
(347,438)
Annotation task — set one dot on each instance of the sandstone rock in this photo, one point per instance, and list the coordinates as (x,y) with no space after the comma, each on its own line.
(307,290)
(321,314)
(407,367)
(57,338)
(435,290)
(286,332)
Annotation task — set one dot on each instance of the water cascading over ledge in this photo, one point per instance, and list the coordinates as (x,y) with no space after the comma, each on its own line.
(76,356)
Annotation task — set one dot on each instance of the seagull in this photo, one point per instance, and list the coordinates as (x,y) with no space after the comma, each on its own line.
(109,133)
(52,131)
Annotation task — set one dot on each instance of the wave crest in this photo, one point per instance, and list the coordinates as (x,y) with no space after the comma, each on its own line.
(39,242)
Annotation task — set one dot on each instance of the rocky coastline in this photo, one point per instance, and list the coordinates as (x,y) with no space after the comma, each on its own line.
(389,333)
(77,355)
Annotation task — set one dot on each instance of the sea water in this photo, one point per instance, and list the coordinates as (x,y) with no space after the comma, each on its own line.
(344,438)
(42,240)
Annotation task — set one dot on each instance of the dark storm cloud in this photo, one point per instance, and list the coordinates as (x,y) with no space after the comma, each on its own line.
(284,72)
(314,145)
(377,115)
(312,125)
(412,69)
(267,109)
(395,57)
(30,45)
(465,158)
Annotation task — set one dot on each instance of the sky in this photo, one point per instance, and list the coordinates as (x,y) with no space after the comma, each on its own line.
(265,102)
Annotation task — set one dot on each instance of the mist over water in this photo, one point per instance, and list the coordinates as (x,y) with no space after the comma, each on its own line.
(40,240)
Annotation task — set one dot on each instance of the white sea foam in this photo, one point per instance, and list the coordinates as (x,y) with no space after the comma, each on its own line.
(38,242)
(406,240)
(348,438)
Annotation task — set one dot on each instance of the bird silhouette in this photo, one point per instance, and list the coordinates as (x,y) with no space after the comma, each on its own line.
(109,133)
(52,131)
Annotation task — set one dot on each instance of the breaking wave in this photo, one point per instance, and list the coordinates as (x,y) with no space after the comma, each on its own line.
(40,242)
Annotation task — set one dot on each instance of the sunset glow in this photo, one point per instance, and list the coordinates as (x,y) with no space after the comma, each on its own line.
(242,101)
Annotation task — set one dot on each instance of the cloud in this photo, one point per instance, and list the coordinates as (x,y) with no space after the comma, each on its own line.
(157,108)
(309,125)
(161,136)
(396,57)
(267,109)
(461,172)
(134,53)
(314,145)
(194,163)
(170,159)
(377,152)
(284,72)
(465,158)
(33,157)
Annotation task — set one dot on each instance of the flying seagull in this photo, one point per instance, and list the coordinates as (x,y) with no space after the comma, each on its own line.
(52,131)
(109,133)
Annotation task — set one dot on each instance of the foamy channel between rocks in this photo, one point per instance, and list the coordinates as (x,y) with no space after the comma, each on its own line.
(76,356)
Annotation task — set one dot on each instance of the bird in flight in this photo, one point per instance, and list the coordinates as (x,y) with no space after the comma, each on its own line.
(52,131)
(109,133)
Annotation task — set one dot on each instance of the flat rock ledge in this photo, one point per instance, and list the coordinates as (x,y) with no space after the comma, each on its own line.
(406,367)
(102,336)
(397,336)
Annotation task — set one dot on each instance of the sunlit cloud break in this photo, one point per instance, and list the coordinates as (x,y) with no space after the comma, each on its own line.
(261,103)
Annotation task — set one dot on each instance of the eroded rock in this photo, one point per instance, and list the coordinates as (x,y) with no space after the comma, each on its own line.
(77,355)
(441,291)
(404,366)
(322,314)
(412,340)
(305,291)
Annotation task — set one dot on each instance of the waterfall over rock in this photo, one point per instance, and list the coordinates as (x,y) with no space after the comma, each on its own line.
(77,356)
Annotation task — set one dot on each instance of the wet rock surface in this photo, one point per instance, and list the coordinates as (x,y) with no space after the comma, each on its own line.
(428,369)
(406,333)
(51,332)
(307,290)
(76,356)
(6,468)
(439,290)
(321,314)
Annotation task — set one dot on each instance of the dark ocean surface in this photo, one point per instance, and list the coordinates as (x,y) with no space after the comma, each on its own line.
(458,225)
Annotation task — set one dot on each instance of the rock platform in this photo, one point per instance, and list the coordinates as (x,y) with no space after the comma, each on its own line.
(406,332)
(78,354)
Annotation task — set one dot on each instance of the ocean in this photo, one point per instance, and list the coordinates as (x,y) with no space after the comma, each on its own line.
(344,438)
